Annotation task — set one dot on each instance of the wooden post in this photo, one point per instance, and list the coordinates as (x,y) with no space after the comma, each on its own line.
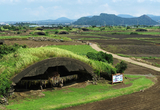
(112,79)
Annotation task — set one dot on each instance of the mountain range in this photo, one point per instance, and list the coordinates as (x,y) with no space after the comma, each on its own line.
(103,19)
(155,18)
(111,19)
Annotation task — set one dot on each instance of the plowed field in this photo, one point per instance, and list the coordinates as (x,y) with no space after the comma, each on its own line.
(30,43)
(130,47)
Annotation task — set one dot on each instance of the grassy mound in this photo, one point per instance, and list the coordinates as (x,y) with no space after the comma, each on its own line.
(14,63)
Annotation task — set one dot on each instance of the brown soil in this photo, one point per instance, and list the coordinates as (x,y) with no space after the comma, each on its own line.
(153,60)
(130,47)
(130,36)
(122,85)
(79,37)
(136,69)
(30,43)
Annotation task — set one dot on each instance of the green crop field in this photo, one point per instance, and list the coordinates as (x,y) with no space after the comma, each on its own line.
(77,49)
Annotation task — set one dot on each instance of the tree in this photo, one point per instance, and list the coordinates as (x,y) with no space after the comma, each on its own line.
(100,56)
(102,28)
(128,27)
(121,67)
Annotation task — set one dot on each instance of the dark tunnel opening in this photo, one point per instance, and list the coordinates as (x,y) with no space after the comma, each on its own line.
(57,76)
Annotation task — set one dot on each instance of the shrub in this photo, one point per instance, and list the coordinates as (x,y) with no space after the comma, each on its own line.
(92,55)
(100,56)
(18,32)
(128,27)
(5,84)
(6,49)
(56,32)
(47,33)
(121,67)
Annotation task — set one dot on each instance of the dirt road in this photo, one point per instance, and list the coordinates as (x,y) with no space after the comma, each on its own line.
(94,46)
(147,100)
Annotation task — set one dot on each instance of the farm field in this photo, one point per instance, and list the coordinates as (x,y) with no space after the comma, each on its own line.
(119,42)
(133,46)
(34,44)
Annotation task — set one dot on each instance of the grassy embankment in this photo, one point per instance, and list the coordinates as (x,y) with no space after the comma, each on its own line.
(59,99)
(13,63)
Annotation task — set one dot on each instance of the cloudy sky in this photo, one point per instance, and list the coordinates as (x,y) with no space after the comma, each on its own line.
(28,10)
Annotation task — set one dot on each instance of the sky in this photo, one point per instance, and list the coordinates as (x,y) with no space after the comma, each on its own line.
(30,10)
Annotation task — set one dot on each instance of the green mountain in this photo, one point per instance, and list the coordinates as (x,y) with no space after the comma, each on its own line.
(111,19)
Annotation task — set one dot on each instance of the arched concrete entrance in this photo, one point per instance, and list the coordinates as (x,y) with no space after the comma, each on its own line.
(65,66)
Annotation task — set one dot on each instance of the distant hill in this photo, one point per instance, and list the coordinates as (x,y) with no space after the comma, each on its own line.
(89,16)
(61,20)
(125,16)
(155,18)
(111,19)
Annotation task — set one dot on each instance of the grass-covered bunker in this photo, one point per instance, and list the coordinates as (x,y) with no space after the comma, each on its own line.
(42,63)
(69,69)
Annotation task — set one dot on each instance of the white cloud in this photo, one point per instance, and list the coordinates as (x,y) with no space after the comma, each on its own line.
(140,1)
(108,9)
(86,1)
(46,12)
(116,0)
(155,0)
(9,1)
(44,0)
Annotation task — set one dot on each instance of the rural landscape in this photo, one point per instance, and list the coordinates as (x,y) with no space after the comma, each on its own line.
(29,52)
(79,55)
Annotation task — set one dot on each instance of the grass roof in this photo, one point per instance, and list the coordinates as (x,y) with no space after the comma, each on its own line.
(14,63)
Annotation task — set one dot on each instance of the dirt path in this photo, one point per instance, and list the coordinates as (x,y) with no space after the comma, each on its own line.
(94,46)
(147,100)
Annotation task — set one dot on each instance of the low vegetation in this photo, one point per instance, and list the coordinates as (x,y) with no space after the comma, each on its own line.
(100,56)
(121,67)
(59,99)
(6,49)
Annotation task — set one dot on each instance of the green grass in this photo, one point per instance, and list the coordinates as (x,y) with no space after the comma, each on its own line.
(122,55)
(77,49)
(10,37)
(149,33)
(59,99)
(2,33)
(49,36)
